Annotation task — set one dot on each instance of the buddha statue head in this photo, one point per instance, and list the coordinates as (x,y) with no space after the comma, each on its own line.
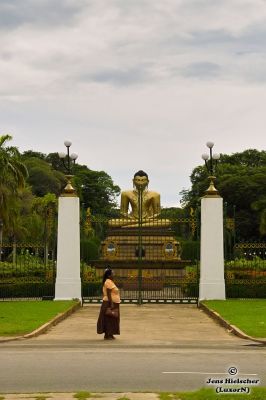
(140,180)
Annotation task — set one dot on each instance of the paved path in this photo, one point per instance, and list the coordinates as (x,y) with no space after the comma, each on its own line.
(146,325)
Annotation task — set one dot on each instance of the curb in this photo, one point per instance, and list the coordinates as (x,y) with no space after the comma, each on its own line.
(45,327)
(231,328)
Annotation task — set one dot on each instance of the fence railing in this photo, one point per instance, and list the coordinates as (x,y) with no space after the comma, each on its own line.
(245,275)
(144,285)
(26,272)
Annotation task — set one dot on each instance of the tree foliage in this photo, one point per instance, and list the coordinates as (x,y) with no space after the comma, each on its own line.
(241,182)
(12,178)
(42,177)
(30,184)
(95,188)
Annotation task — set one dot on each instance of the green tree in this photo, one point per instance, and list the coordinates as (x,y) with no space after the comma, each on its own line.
(54,160)
(31,153)
(260,206)
(12,178)
(241,182)
(20,208)
(42,177)
(46,208)
(97,190)
(249,158)
(180,221)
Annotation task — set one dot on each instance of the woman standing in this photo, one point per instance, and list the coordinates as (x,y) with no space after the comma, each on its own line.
(109,325)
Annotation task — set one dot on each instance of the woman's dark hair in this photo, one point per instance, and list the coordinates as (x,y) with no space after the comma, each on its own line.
(107,273)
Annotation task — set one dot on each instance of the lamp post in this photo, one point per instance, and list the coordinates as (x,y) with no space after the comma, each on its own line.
(212,285)
(211,163)
(68,282)
(68,161)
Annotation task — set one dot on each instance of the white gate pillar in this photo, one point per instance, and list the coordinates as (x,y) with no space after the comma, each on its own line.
(68,281)
(212,284)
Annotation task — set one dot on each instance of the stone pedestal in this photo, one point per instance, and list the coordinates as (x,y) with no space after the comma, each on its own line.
(68,282)
(212,284)
(153,243)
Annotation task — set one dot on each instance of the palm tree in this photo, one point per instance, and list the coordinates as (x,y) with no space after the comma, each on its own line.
(13,174)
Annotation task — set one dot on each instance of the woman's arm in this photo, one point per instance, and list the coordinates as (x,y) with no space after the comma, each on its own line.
(109,291)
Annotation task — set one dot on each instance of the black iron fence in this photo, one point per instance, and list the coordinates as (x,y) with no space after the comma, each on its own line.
(245,274)
(27,270)
(151,284)
(146,258)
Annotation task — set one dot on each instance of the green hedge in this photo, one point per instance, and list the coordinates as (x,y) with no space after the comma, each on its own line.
(29,275)
(91,289)
(254,290)
(28,290)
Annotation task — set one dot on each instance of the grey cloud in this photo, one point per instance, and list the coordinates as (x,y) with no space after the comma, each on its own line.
(252,39)
(203,39)
(118,77)
(197,5)
(14,13)
(201,70)
(210,37)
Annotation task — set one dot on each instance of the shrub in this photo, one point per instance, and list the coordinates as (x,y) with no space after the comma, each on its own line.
(250,289)
(239,264)
(88,273)
(91,289)
(89,249)
(190,250)
(28,289)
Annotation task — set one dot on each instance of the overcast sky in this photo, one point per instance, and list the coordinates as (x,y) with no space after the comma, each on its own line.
(134,84)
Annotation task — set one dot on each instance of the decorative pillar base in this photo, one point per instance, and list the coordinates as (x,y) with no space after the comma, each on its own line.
(68,289)
(212,290)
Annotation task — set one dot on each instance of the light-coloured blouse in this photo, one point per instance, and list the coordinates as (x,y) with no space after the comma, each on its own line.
(109,284)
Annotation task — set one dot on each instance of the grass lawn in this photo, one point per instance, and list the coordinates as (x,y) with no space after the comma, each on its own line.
(247,315)
(20,317)
(257,393)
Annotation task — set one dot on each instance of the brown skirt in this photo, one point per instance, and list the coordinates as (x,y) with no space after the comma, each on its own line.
(108,325)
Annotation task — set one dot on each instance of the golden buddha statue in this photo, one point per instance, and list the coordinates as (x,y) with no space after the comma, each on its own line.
(145,205)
